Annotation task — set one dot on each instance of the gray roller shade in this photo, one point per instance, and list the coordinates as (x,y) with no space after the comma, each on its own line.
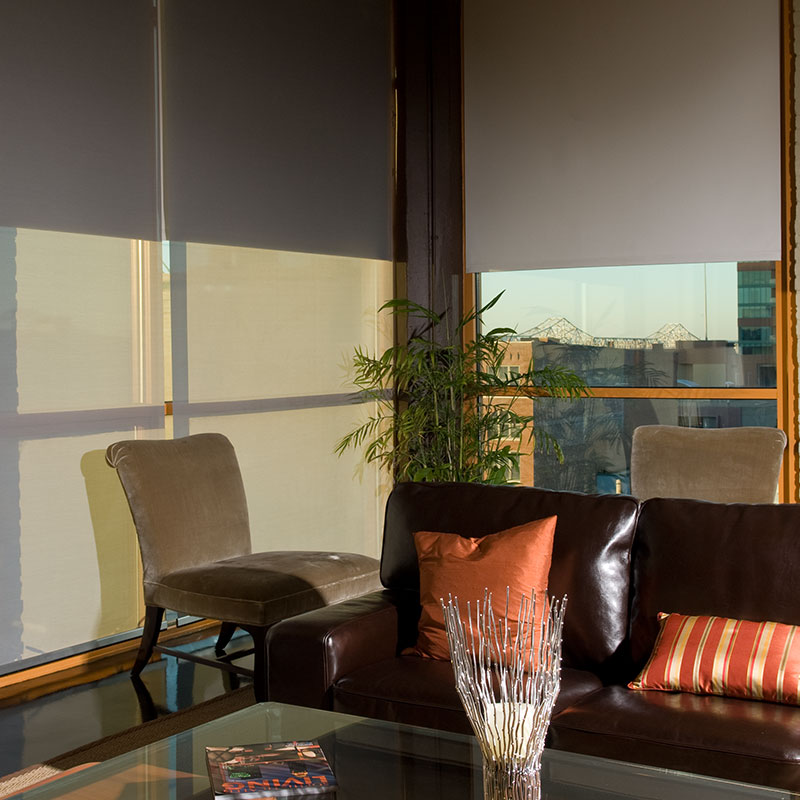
(277,124)
(621,132)
(78,132)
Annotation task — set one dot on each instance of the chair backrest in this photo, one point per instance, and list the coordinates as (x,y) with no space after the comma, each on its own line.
(725,465)
(187,500)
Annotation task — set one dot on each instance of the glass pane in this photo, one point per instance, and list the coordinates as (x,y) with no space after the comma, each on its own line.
(69,560)
(266,324)
(81,366)
(294,480)
(87,321)
(595,435)
(691,325)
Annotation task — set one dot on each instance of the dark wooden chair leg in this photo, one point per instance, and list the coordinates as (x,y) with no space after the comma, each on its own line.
(147,706)
(259,663)
(152,626)
(226,631)
(230,681)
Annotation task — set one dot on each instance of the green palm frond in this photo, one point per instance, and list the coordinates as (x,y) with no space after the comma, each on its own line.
(432,421)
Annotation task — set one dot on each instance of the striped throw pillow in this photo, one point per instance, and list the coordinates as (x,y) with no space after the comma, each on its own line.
(730,657)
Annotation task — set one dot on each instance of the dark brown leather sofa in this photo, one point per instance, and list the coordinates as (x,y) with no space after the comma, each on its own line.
(619,563)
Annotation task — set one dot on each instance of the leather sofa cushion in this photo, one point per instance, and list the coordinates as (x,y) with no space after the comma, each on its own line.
(590,562)
(420,691)
(269,586)
(692,557)
(742,740)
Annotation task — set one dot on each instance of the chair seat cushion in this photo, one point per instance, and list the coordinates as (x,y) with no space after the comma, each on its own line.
(421,691)
(262,588)
(741,739)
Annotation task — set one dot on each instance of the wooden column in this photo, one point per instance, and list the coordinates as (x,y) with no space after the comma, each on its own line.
(428,213)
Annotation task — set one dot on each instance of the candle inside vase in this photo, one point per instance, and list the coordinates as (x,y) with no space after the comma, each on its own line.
(509,727)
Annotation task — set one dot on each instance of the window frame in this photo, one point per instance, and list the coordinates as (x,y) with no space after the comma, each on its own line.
(784,393)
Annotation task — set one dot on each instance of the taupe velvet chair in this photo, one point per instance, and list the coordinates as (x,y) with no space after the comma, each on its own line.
(189,508)
(725,465)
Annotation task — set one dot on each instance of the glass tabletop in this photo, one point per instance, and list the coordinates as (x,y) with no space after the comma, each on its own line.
(372,758)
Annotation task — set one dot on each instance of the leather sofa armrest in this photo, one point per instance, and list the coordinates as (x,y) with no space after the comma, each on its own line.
(308,653)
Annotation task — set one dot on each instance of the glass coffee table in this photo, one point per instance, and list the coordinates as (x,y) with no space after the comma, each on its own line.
(372,759)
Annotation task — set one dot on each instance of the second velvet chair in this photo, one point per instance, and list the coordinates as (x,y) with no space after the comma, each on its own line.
(724,465)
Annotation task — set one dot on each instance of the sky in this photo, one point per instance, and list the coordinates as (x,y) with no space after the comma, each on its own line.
(619,301)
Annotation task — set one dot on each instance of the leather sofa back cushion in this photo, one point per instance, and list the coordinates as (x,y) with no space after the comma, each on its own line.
(590,563)
(692,557)
(517,559)
(729,657)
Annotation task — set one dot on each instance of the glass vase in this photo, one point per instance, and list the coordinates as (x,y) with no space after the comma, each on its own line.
(508,676)
(504,781)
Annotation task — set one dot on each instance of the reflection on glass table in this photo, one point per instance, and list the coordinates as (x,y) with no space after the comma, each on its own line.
(370,759)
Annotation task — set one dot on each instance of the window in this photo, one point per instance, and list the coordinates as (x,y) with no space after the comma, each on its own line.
(98,332)
(268,344)
(80,366)
(514,474)
(508,372)
(687,344)
(103,328)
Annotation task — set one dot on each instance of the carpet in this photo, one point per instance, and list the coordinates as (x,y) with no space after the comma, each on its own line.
(25,778)
(149,732)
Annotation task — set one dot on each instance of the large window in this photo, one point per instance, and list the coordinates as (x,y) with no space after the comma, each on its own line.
(98,333)
(687,344)
(262,131)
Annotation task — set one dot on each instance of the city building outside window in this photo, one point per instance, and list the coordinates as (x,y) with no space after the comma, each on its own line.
(688,344)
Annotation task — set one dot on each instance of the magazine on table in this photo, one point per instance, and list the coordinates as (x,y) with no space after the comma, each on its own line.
(271,769)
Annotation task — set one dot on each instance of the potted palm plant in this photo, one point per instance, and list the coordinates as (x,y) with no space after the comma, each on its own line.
(447,410)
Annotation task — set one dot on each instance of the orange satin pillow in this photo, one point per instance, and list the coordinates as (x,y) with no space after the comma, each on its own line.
(730,657)
(450,564)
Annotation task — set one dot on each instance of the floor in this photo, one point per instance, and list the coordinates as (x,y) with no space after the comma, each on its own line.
(56,723)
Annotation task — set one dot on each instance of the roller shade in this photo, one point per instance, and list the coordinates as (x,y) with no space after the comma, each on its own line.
(621,132)
(277,124)
(78,136)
